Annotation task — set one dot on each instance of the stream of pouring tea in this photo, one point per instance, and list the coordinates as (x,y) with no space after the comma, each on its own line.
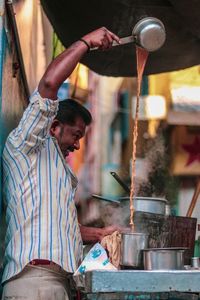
(141,56)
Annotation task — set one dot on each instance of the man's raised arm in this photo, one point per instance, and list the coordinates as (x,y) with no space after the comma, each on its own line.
(64,64)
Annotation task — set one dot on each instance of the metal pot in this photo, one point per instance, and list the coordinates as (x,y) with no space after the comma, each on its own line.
(118,211)
(164,258)
(149,33)
(132,245)
(145,204)
(148,204)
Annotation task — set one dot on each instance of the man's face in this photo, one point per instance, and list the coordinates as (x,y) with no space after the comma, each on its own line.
(68,136)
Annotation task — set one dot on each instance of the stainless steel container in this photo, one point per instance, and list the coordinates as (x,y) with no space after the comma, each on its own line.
(149,33)
(164,258)
(132,245)
(148,204)
(195,262)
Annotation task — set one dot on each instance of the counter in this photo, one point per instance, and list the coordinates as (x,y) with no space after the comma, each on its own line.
(134,284)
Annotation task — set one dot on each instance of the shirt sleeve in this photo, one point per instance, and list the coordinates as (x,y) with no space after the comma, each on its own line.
(35,124)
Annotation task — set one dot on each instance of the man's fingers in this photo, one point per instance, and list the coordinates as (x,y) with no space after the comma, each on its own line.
(101,38)
(107,41)
(111,34)
(114,36)
(110,40)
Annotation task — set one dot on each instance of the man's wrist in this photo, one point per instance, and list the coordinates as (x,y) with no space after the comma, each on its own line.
(101,234)
(86,44)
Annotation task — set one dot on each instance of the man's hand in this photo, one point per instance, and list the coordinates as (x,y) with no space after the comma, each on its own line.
(101,38)
(93,234)
(109,230)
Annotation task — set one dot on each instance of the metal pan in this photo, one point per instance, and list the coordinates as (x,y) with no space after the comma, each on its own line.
(164,258)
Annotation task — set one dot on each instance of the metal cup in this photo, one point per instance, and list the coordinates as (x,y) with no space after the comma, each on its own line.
(195,262)
(132,245)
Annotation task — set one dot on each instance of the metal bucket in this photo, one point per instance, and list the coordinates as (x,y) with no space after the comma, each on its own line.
(131,246)
(164,258)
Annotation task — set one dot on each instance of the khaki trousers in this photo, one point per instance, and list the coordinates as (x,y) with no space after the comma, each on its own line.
(38,283)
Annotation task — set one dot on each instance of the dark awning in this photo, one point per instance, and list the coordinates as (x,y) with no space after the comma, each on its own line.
(72,19)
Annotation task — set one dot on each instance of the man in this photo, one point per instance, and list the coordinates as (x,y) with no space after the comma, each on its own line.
(43,241)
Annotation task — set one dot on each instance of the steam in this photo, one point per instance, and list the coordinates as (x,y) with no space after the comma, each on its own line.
(157,170)
(153,181)
(115,214)
(151,185)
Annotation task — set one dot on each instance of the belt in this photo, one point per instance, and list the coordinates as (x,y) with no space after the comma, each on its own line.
(46,262)
(50,265)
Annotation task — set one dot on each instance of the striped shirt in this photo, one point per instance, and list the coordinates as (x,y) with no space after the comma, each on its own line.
(39,190)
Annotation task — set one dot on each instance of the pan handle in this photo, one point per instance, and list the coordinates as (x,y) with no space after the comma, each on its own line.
(105,199)
(194,199)
(121,182)
(123,41)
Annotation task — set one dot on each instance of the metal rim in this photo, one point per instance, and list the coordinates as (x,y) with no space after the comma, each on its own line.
(134,233)
(166,249)
(145,25)
(139,25)
(145,198)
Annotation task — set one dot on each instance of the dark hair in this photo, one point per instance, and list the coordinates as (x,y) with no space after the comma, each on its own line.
(70,109)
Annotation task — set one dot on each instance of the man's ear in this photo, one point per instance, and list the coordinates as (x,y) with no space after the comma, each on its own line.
(55,127)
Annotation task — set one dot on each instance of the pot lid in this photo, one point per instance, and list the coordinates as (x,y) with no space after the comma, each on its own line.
(73,19)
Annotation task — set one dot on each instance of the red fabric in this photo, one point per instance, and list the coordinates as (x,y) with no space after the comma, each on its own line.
(78,295)
(40,262)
